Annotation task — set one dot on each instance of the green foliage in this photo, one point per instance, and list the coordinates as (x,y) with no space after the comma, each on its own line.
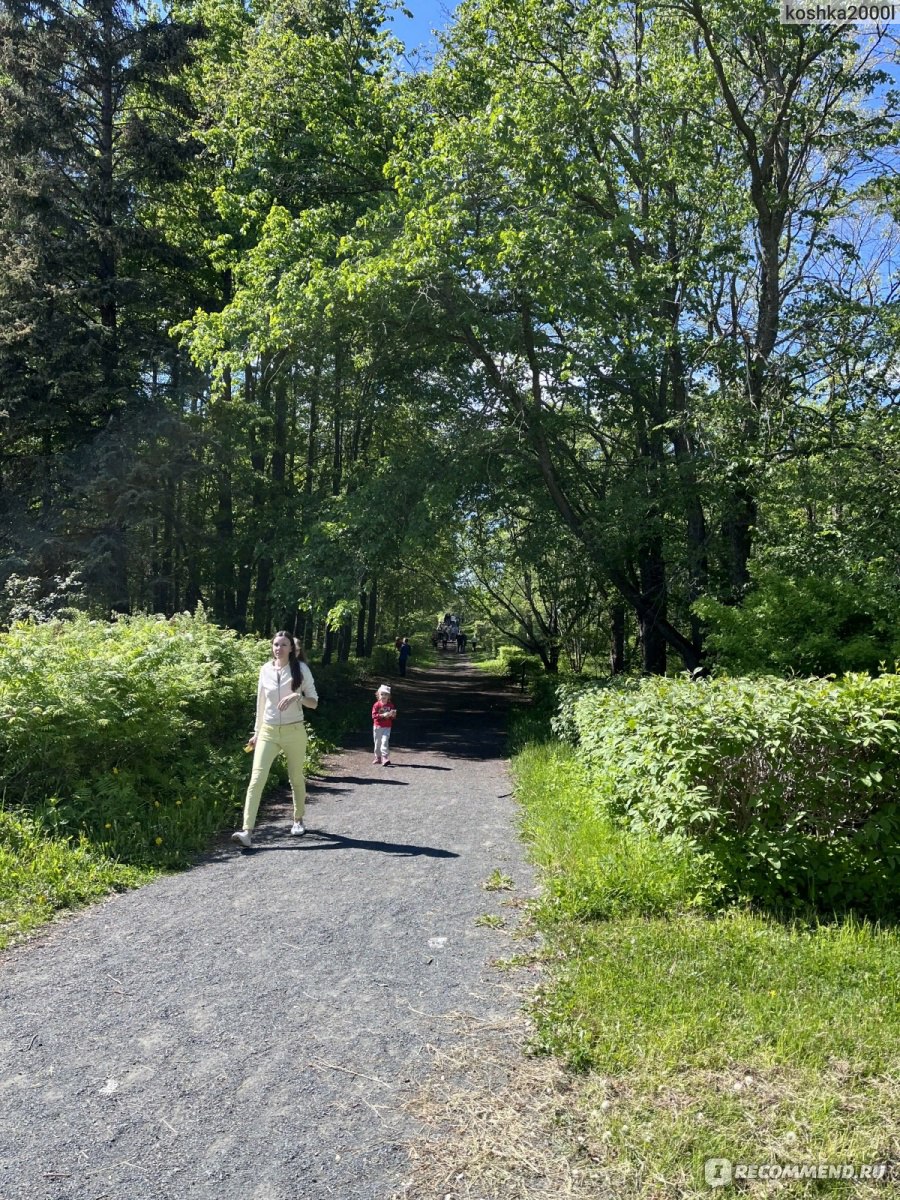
(129,733)
(490,921)
(792,786)
(702,1034)
(122,753)
(813,624)
(593,868)
(498,881)
(344,706)
(41,874)
(95,119)
(514,663)
(383,660)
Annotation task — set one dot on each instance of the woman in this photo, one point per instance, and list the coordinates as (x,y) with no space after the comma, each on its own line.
(286,687)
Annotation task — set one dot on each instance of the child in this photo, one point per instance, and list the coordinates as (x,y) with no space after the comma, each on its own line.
(383,713)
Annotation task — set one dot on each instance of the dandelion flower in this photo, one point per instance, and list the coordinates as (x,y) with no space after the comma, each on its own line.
(107,825)
(159,841)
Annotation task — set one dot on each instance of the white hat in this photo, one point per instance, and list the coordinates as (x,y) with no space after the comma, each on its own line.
(384,688)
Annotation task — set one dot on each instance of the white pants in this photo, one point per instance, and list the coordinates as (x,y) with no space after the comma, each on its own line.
(382,742)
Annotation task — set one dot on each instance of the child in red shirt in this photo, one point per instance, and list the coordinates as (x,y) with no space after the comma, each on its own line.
(383,713)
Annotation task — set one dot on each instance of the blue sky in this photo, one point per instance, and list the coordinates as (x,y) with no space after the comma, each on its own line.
(415,32)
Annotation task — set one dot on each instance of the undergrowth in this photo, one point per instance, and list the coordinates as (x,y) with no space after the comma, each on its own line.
(698,1030)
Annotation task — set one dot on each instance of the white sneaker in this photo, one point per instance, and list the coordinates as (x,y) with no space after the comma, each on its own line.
(298,829)
(243,838)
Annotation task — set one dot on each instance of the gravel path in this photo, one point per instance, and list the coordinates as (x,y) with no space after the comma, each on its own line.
(251,1029)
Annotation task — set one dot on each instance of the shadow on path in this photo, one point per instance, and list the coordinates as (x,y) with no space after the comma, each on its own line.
(323,840)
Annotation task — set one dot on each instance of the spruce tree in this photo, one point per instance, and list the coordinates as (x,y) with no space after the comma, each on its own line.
(92,119)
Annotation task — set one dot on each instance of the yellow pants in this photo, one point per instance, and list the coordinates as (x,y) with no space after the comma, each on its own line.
(289,740)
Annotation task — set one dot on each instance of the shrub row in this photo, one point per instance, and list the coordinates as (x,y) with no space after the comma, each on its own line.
(791,787)
(128,732)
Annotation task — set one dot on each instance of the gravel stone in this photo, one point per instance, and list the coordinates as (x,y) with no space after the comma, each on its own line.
(252,1028)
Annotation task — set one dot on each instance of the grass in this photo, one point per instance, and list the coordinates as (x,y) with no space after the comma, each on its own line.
(41,874)
(700,1033)
(490,920)
(499,1122)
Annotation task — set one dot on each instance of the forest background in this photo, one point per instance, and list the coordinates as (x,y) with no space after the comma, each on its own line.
(592,325)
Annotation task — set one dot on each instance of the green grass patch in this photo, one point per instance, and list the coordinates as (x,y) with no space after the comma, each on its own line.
(497,881)
(592,868)
(702,1033)
(41,874)
(490,921)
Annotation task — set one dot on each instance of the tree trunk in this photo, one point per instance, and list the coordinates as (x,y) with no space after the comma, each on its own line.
(740,526)
(361,626)
(344,638)
(311,450)
(617,640)
(370,622)
(652,607)
(328,649)
(337,460)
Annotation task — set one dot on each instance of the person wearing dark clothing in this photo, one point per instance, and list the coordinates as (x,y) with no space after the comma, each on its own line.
(403,655)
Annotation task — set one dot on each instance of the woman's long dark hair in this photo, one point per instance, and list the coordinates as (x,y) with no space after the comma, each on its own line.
(295,658)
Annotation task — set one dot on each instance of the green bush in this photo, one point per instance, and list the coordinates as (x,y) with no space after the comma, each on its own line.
(595,869)
(129,733)
(814,624)
(514,663)
(345,702)
(383,661)
(792,786)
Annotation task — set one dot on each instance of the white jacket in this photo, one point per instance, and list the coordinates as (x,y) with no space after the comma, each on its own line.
(274,685)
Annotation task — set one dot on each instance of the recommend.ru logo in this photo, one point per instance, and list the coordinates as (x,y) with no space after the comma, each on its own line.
(717,1172)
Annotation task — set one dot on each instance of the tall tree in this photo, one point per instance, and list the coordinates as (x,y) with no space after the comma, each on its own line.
(600,255)
(91,116)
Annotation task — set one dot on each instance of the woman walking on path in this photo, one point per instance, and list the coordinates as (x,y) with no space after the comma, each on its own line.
(383,713)
(285,688)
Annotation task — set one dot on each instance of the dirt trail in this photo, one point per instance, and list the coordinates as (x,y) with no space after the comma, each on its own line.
(251,1029)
